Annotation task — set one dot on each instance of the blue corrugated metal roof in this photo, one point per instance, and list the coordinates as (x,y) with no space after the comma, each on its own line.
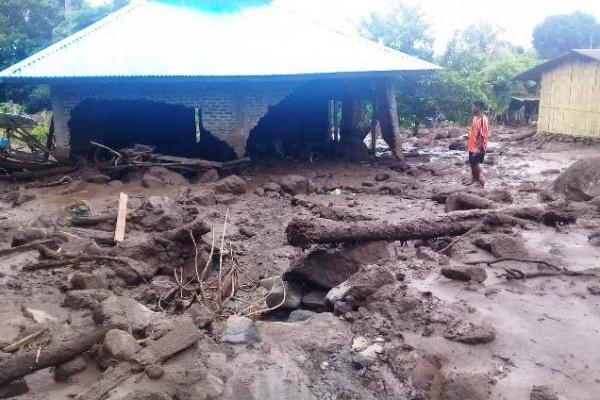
(177,38)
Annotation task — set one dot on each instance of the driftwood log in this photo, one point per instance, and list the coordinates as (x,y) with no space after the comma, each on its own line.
(21,365)
(304,232)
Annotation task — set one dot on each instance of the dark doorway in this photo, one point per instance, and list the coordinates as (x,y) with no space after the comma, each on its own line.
(171,129)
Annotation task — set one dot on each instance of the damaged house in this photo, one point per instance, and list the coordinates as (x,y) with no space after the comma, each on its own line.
(207,79)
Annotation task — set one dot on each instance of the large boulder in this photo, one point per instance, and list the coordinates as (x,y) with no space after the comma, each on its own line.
(233,185)
(295,184)
(157,177)
(119,345)
(327,268)
(159,213)
(240,330)
(581,181)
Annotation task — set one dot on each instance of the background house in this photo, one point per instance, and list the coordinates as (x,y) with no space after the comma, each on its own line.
(199,78)
(569,93)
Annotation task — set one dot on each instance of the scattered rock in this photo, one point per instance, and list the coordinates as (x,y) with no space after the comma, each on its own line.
(360,343)
(337,293)
(455,132)
(240,330)
(465,273)
(502,246)
(427,254)
(458,144)
(39,316)
(28,235)
(367,281)
(158,177)
(543,393)
(125,313)
(315,299)
(64,371)
(295,184)
(327,267)
(368,356)
(546,196)
(154,371)
(88,298)
(209,176)
(160,214)
(293,295)
(201,315)
(342,308)
(300,315)
(267,283)
(470,332)
(98,178)
(116,184)
(464,386)
(82,281)
(272,187)
(594,290)
(205,198)
(248,232)
(581,181)
(383,176)
(233,185)
(119,345)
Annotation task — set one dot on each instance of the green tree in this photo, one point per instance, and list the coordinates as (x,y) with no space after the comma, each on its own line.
(560,33)
(405,29)
(84,15)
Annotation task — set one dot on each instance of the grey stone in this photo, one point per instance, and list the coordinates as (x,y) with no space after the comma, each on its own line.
(154,371)
(158,177)
(315,299)
(116,184)
(293,295)
(240,330)
(233,184)
(125,313)
(82,280)
(382,176)
(64,371)
(464,386)
(271,187)
(300,315)
(543,393)
(13,389)
(581,181)
(295,184)
(209,176)
(119,345)
(368,356)
(465,273)
(458,144)
(470,332)
(88,298)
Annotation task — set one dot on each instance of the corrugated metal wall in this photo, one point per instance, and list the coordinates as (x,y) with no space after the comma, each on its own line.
(570,100)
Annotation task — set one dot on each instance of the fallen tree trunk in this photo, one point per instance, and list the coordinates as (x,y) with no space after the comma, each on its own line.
(303,232)
(21,365)
(20,176)
(467,201)
(92,220)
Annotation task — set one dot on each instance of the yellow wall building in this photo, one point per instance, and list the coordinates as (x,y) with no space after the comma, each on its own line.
(569,93)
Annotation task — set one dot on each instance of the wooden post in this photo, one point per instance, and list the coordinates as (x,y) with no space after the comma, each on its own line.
(387,114)
(121,218)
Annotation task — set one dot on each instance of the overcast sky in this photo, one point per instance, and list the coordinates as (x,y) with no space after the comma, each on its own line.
(517,17)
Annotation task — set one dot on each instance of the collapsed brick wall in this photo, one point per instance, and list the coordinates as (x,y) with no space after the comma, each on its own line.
(229,110)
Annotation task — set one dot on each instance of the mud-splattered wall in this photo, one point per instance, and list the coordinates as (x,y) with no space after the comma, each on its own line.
(570,99)
(229,110)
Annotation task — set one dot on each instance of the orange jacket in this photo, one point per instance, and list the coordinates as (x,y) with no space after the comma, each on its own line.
(479,125)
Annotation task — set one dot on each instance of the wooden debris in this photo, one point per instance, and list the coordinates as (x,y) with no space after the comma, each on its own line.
(91,220)
(182,335)
(21,365)
(121,218)
(24,341)
(306,231)
(26,247)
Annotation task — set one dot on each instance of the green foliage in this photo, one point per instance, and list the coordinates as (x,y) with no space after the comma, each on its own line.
(560,33)
(85,15)
(40,132)
(478,65)
(405,29)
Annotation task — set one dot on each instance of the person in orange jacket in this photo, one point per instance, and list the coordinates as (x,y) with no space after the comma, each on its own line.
(477,143)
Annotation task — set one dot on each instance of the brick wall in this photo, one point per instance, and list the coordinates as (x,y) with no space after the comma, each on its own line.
(570,100)
(229,110)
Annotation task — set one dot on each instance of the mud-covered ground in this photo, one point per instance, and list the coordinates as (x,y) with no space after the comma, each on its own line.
(407,331)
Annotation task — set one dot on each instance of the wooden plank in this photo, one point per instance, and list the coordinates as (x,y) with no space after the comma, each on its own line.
(121,218)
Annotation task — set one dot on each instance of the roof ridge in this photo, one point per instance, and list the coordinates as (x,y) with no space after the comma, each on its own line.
(69,40)
(357,38)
